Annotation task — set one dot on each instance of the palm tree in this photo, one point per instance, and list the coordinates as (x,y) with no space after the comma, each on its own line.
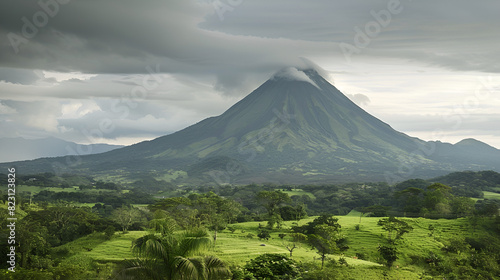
(168,257)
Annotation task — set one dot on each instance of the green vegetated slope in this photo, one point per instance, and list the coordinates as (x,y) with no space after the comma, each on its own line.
(116,249)
(239,246)
(482,180)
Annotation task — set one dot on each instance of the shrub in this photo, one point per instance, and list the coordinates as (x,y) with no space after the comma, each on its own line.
(432,259)
(343,261)
(109,232)
(264,234)
(231,229)
(389,254)
(240,274)
(361,256)
(272,267)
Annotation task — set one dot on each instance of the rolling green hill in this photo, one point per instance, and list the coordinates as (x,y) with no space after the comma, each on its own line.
(427,239)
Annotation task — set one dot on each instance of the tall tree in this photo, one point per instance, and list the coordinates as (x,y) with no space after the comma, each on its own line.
(411,200)
(437,198)
(271,200)
(325,241)
(395,228)
(324,235)
(126,216)
(215,212)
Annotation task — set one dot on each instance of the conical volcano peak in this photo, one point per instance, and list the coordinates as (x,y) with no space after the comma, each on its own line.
(295,74)
(304,70)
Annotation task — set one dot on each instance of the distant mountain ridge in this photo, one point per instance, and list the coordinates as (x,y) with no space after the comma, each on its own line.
(17,149)
(481,180)
(295,128)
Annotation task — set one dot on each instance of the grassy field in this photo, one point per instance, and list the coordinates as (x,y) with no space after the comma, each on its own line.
(298,192)
(239,247)
(491,195)
(37,189)
(242,245)
(116,249)
(95,247)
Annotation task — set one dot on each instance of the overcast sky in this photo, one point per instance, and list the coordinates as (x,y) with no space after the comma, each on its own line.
(123,71)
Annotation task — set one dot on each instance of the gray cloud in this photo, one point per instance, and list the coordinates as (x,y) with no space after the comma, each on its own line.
(125,36)
(359,99)
(188,37)
(18,76)
(201,54)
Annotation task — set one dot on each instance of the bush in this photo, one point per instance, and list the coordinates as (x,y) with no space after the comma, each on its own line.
(24,274)
(272,267)
(264,234)
(312,271)
(456,245)
(70,272)
(109,232)
(61,251)
(343,261)
(361,256)
(240,274)
(389,254)
(432,259)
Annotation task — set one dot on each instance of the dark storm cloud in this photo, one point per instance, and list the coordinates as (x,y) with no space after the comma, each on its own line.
(258,36)
(125,36)
(455,34)
(207,48)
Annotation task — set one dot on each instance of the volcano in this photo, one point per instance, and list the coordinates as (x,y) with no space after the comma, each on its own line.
(294,128)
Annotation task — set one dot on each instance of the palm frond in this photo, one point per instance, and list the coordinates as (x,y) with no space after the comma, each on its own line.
(151,246)
(216,268)
(141,269)
(194,242)
(170,257)
(188,269)
(165,226)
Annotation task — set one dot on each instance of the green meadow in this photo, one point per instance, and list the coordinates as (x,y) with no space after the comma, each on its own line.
(299,192)
(491,195)
(37,189)
(237,247)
